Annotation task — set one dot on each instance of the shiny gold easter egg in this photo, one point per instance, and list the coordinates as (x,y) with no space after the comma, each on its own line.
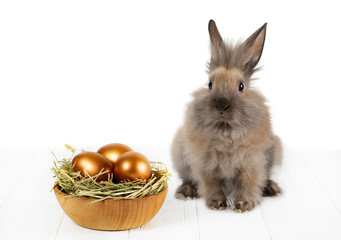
(92,163)
(131,166)
(113,151)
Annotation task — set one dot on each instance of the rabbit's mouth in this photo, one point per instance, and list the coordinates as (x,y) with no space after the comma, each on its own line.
(224,120)
(225,115)
(222,126)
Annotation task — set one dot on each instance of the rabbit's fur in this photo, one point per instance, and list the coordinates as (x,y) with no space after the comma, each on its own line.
(226,147)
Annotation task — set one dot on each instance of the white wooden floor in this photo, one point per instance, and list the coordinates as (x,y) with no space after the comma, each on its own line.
(310,207)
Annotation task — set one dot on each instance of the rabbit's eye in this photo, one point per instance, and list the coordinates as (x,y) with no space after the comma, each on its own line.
(210,85)
(241,86)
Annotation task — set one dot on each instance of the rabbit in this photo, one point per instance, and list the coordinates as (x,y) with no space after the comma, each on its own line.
(226,147)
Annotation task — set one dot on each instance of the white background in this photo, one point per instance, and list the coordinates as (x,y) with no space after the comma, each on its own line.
(89,73)
(94,72)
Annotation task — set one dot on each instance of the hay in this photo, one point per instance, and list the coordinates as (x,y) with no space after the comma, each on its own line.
(74,184)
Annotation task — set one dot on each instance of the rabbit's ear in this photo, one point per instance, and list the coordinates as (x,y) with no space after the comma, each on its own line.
(214,33)
(253,47)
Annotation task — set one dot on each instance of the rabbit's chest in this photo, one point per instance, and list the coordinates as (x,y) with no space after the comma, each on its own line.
(226,141)
(224,157)
(222,144)
(227,164)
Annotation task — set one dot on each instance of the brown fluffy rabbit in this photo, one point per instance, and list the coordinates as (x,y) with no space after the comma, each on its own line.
(226,147)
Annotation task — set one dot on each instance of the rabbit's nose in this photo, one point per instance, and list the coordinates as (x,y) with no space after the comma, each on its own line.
(222,104)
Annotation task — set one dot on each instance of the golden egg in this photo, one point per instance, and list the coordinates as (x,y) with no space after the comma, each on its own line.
(92,163)
(113,151)
(131,166)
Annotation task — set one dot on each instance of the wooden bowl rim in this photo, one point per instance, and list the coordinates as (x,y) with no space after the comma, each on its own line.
(57,191)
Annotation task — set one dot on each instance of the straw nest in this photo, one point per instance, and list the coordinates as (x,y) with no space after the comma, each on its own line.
(74,184)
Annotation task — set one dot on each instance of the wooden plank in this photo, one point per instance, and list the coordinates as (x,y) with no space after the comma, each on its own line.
(230,225)
(13,164)
(69,230)
(303,211)
(326,167)
(31,210)
(309,207)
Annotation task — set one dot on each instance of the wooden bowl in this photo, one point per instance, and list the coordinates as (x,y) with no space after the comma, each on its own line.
(111,214)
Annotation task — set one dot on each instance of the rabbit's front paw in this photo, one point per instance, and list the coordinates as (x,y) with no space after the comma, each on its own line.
(243,206)
(187,191)
(218,203)
(271,189)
